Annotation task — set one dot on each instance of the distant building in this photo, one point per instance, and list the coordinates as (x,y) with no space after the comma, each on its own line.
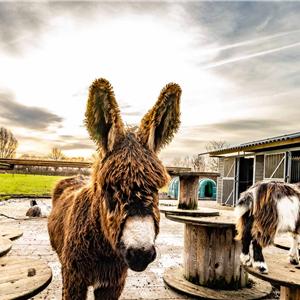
(276,158)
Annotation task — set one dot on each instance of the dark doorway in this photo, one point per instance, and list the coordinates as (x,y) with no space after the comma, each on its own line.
(245,174)
(295,167)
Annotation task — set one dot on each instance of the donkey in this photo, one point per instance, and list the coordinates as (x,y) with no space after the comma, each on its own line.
(264,210)
(101,228)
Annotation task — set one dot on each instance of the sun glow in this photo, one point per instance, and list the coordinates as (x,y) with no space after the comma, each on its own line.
(138,54)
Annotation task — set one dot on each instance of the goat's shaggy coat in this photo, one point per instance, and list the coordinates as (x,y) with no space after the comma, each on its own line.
(34,210)
(264,210)
(102,227)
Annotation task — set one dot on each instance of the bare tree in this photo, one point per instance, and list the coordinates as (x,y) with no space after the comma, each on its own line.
(186,162)
(56,154)
(176,162)
(213,162)
(198,163)
(8,143)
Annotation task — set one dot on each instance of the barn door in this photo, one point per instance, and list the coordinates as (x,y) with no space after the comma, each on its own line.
(275,166)
(294,169)
(228,194)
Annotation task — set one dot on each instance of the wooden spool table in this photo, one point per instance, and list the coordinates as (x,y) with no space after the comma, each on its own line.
(188,197)
(5,245)
(10,233)
(211,267)
(203,212)
(284,242)
(22,278)
(282,273)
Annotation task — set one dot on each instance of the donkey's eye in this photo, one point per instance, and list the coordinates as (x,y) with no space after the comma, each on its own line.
(110,202)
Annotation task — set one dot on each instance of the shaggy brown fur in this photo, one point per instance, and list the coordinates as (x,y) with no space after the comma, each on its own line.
(87,219)
(34,212)
(264,210)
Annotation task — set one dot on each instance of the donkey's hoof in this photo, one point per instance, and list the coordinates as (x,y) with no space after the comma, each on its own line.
(261,266)
(245,260)
(294,261)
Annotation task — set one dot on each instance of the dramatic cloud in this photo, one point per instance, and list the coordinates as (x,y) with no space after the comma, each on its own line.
(25,24)
(71,142)
(251,125)
(238,64)
(77,146)
(17,114)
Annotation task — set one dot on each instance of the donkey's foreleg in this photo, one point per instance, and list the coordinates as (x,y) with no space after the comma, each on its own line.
(294,252)
(74,287)
(246,240)
(258,258)
(110,292)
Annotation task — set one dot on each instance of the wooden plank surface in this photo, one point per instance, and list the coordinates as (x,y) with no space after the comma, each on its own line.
(224,220)
(284,242)
(188,192)
(10,233)
(211,257)
(200,212)
(174,278)
(5,245)
(281,272)
(22,278)
(287,293)
(184,173)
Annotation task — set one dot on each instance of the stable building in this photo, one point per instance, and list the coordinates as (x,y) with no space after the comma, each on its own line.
(240,166)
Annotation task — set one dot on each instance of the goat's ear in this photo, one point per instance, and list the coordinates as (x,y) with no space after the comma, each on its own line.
(161,122)
(102,116)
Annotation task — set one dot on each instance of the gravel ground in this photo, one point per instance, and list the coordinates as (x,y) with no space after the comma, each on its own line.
(147,285)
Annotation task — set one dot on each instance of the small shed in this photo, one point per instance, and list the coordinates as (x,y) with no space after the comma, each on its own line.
(276,158)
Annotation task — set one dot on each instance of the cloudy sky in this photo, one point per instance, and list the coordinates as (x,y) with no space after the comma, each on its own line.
(238,64)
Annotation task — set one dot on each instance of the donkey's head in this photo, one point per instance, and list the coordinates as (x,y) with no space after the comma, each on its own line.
(129,174)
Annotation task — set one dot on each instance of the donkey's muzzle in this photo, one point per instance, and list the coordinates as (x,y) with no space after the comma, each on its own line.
(139,258)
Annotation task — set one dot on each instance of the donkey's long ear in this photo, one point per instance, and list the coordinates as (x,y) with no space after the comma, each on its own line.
(102,116)
(161,122)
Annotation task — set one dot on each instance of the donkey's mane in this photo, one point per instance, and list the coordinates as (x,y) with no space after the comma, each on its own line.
(132,166)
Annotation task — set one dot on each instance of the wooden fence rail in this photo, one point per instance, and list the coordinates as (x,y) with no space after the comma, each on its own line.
(9,164)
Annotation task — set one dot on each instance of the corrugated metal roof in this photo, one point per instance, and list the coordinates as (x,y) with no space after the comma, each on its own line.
(247,146)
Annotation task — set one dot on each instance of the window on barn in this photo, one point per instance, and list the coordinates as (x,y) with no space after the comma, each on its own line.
(259,167)
(295,167)
(275,166)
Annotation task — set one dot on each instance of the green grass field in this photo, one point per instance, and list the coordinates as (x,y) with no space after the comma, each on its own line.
(23,184)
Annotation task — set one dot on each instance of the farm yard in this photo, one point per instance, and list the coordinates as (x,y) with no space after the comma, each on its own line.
(149,150)
(148,285)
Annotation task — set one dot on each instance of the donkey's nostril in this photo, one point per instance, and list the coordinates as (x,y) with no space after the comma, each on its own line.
(130,254)
(139,258)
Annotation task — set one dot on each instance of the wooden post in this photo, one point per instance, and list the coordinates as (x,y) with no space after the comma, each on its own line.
(211,257)
(289,293)
(188,196)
